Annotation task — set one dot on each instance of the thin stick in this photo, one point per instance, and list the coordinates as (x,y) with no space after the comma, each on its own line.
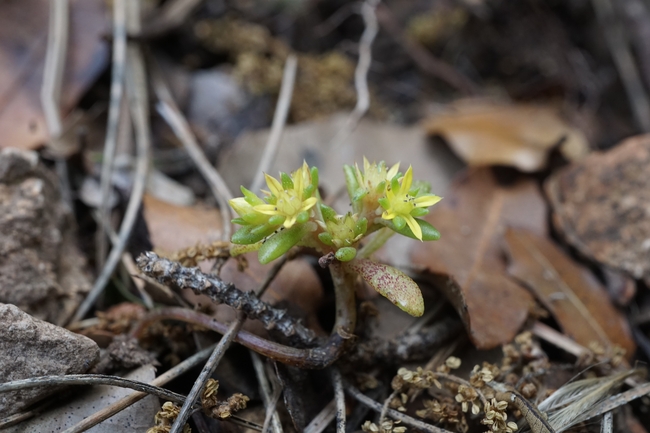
(608,423)
(137,90)
(339,396)
(279,120)
(361,72)
(208,369)
(57,47)
(169,111)
(323,419)
(118,69)
(127,401)
(265,389)
(550,335)
(384,407)
(377,407)
(91,379)
(624,61)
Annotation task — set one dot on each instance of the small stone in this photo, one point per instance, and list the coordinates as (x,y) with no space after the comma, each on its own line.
(30,347)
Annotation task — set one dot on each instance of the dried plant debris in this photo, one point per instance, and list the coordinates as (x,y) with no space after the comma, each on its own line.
(42,270)
(600,206)
(505,397)
(166,417)
(221,409)
(259,60)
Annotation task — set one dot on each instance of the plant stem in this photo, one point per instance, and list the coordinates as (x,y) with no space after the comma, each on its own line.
(376,242)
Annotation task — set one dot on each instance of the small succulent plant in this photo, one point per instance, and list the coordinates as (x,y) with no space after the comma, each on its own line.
(384,201)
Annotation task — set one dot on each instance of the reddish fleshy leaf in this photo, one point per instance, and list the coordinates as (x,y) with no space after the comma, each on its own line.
(392,283)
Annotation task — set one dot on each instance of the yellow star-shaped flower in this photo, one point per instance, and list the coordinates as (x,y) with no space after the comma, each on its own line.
(291,198)
(400,206)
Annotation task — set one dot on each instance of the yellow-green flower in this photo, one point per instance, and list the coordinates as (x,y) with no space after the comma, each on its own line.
(290,199)
(343,230)
(375,176)
(401,204)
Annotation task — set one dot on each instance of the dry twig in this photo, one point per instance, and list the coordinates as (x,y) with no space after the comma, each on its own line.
(118,69)
(136,86)
(279,120)
(90,379)
(208,369)
(361,72)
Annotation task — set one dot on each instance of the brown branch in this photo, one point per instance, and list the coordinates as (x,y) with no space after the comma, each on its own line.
(314,358)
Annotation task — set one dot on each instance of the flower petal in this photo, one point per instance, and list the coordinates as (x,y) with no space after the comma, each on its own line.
(309,203)
(266,209)
(407,180)
(426,200)
(414,226)
(392,172)
(274,185)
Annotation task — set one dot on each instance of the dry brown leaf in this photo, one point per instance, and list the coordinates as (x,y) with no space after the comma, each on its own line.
(23,42)
(174,227)
(468,260)
(489,133)
(601,206)
(569,291)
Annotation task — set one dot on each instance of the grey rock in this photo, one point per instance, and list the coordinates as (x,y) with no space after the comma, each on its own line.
(30,347)
(42,270)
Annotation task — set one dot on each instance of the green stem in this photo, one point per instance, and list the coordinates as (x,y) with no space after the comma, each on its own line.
(376,242)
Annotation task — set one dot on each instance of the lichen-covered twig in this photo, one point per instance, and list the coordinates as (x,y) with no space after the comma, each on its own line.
(169,272)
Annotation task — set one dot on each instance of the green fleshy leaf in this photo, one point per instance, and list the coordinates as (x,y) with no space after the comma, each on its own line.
(251,234)
(287,183)
(302,217)
(351,180)
(359,195)
(381,186)
(239,221)
(346,254)
(419,212)
(308,192)
(383,202)
(399,222)
(361,227)
(326,238)
(237,250)
(394,184)
(280,243)
(392,283)
(429,232)
(250,197)
(314,176)
(276,220)
(329,214)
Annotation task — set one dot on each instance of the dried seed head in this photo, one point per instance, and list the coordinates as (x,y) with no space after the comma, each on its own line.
(453,362)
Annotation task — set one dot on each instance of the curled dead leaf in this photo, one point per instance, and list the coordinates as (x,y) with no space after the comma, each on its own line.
(518,135)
